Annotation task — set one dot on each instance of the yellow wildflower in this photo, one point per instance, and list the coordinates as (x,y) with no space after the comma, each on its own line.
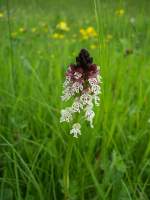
(33,30)
(93,46)
(14,35)
(63,26)
(57,36)
(120,12)
(88,32)
(1,14)
(108,38)
(22,30)
(91,32)
(83,33)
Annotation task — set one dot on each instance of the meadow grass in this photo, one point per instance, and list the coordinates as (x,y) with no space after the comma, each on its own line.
(110,161)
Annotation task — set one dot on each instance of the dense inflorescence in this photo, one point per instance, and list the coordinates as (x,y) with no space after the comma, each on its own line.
(83,83)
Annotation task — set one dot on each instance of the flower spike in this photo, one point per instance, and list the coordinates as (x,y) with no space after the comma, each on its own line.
(83,83)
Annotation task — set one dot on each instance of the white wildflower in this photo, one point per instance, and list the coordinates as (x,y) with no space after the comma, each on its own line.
(99,79)
(66,115)
(94,86)
(96,100)
(66,83)
(132,20)
(76,106)
(86,98)
(96,89)
(93,81)
(89,114)
(75,131)
(83,85)
(76,87)
(77,75)
(67,94)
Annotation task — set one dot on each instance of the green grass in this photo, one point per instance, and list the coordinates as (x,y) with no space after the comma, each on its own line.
(111,161)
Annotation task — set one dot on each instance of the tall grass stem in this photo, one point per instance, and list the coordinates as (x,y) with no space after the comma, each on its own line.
(66,169)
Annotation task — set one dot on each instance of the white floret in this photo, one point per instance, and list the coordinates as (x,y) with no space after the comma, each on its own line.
(75,131)
(77,87)
(86,98)
(66,115)
(89,115)
(77,75)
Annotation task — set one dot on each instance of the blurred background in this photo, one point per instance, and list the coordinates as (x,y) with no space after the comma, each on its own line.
(38,40)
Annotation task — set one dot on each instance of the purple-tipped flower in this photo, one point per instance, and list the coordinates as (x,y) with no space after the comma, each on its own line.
(83,83)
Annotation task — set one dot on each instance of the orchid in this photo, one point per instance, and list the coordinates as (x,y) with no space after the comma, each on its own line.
(83,84)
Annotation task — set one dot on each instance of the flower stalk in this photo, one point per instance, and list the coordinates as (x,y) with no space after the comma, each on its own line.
(66,169)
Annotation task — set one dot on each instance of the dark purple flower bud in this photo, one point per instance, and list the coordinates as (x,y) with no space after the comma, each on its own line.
(83,59)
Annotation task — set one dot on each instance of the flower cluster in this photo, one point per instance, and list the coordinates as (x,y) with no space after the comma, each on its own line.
(83,83)
(57,36)
(1,14)
(89,32)
(120,12)
(63,26)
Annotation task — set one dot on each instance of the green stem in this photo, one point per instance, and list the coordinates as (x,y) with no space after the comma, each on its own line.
(12,72)
(66,169)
